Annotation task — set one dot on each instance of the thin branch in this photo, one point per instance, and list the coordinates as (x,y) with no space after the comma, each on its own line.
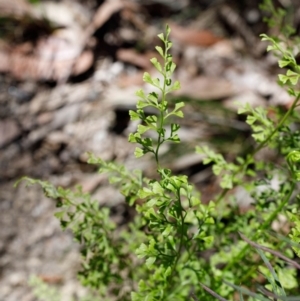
(194,297)
(276,253)
(214,294)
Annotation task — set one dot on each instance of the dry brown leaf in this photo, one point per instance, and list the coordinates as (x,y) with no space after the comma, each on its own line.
(83,62)
(131,13)
(136,79)
(56,57)
(47,62)
(206,88)
(15,8)
(103,13)
(60,55)
(135,58)
(51,279)
(192,36)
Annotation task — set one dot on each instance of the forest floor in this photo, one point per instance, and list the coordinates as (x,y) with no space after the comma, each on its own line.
(68,74)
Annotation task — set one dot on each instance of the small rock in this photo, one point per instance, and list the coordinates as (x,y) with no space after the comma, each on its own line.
(16,279)
(66,115)
(9,130)
(90,182)
(44,118)
(239,100)
(62,117)
(27,122)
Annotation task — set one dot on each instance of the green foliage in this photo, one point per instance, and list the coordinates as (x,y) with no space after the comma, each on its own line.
(177,247)
(45,292)
(42,291)
(278,18)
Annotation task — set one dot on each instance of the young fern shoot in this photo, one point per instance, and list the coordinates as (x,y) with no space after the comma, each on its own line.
(170,205)
(159,102)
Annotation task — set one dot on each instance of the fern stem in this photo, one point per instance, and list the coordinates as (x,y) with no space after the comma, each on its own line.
(280,124)
(264,226)
(181,236)
(162,110)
